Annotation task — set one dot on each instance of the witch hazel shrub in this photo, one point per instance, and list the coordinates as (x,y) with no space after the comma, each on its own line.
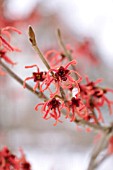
(64,91)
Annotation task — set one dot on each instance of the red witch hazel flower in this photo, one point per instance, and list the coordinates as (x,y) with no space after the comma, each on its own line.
(78,109)
(37,77)
(94,96)
(61,77)
(9,161)
(5,57)
(55,57)
(52,109)
(4,43)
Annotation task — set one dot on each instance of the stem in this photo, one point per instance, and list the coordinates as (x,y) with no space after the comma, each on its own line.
(63,95)
(97,164)
(99,148)
(95,117)
(70,58)
(96,127)
(36,48)
(19,80)
(67,53)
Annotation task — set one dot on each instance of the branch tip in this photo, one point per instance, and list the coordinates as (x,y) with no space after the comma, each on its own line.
(59,32)
(31,36)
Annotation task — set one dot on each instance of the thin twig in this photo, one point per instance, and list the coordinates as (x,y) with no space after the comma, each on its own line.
(99,148)
(67,53)
(70,58)
(96,152)
(96,127)
(97,164)
(61,43)
(36,48)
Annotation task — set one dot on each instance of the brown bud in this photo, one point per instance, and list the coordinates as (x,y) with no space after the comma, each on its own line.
(32,36)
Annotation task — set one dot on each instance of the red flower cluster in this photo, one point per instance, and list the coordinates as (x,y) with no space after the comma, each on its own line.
(95,97)
(59,77)
(62,82)
(78,109)
(9,161)
(5,45)
(82,104)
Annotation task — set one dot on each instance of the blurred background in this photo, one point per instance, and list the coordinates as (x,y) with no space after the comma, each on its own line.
(87,27)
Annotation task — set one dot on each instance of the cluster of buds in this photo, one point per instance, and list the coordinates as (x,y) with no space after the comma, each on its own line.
(9,161)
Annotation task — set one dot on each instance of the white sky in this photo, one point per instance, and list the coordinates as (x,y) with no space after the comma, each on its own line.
(87,17)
